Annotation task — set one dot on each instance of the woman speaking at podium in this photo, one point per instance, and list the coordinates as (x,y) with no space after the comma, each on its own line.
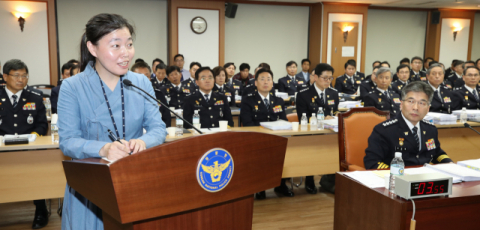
(95,101)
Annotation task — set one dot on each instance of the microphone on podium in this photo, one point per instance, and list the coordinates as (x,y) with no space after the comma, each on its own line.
(470,127)
(129,83)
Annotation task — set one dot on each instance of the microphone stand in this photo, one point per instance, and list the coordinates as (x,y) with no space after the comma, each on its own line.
(129,83)
(470,127)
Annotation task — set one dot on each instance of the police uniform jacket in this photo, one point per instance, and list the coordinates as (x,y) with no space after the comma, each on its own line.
(54,97)
(176,97)
(29,116)
(166,116)
(394,78)
(366,87)
(236,86)
(465,98)
(210,112)
(249,89)
(308,101)
(190,84)
(228,92)
(398,85)
(452,79)
(421,76)
(360,75)
(157,84)
(394,135)
(253,109)
(446,103)
(344,85)
(380,101)
(287,85)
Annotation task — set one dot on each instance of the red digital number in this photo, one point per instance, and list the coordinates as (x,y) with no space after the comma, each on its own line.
(441,188)
(430,187)
(420,189)
(436,189)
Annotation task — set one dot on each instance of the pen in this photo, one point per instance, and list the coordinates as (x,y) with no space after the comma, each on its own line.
(115,138)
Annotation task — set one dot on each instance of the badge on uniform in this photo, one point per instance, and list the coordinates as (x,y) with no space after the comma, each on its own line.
(430,144)
(198,103)
(186,90)
(256,107)
(396,100)
(29,106)
(221,113)
(406,133)
(449,86)
(423,78)
(277,109)
(313,100)
(168,90)
(236,87)
(466,98)
(331,102)
(300,82)
(400,86)
(379,100)
(400,141)
(188,84)
(228,94)
(288,82)
(359,82)
(447,100)
(219,102)
(30,119)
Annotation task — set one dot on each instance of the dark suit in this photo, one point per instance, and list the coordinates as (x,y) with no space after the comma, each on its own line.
(344,85)
(465,98)
(287,85)
(54,98)
(397,86)
(166,116)
(307,79)
(175,98)
(236,85)
(210,112)
(394,135)
(421,76)
(366,87)
(253,109)
(308,101)
(380,101)
(360,75)
(157,85)
(445,104)
(228,92)
(452,80)
(15,120)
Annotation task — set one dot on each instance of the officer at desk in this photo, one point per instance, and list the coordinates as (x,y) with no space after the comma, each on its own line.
(407,133)
(383,98)
(260,106)
(22,112)
(442,97)
(176,91)
(468,94)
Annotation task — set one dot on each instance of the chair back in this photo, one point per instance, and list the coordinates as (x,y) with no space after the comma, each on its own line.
(292,117)
(354,128)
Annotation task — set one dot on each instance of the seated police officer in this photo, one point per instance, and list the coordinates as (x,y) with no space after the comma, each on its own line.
(319,95)
(190,82)
(175,92)
(143,68)
(415,73)
(348,83)
(369,85)
(456,73)
(236,85)
(291,84)
(220,76)
(459,82)
(382,97)
(442,97)
(404,61)
(22,112)
(407,133)
(468,94)
(403,75)
(160,79)
(212,107)
(260,106)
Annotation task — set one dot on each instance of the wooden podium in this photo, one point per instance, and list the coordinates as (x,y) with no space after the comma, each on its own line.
(158,188)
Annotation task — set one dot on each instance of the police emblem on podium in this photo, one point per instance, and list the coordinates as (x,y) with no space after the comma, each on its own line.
(215,170)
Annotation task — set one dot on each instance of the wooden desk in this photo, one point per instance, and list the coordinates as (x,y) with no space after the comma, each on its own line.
(31,171)
(359,207)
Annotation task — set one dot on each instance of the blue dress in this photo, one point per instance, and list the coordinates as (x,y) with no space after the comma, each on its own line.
(83,120)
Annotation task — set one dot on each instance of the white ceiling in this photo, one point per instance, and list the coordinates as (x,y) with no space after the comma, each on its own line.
(455,4)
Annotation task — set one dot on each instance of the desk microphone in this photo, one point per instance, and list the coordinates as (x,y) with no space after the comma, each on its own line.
(470,127)
(129,83)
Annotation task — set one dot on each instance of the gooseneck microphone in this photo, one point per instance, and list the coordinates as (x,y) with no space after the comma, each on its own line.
(129,83)
(470,127)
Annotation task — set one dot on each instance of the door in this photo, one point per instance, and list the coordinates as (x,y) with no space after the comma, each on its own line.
(342,41)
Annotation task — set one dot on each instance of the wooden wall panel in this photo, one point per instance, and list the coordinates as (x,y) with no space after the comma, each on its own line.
(315,33)
(173,6)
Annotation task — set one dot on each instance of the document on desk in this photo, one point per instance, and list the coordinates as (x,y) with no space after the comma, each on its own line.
(367,178)
(471,164)
(277,125)
(425,170)
(30,137)
(464,173)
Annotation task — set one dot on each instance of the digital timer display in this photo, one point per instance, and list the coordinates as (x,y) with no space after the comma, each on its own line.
(429,187)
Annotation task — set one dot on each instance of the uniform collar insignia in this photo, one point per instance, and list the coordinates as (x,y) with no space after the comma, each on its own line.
(24,99)
(3,99)
(328,96)
(424,132)
(406,133)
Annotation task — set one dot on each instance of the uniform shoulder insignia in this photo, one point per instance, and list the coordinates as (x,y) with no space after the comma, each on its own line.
(389,122)
(367,81)
(303,90)
(250,94)
(34,93)
(332,88)
(248,86)
(428,122)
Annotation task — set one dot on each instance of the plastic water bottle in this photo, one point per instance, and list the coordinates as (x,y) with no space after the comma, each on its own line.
(179,123)
(463,115)
(48,107)
(320,118)
(313,122)
(196,120)
(54,128)
(396,169)
(304,122)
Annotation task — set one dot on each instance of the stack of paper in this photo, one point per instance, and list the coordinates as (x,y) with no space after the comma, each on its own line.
(441,118)
(457,171)
(349,104)
(367,178)
(472,115)
(277,125)
(425,170)
(471,164)
(30,137)
(331,124)
(282,95)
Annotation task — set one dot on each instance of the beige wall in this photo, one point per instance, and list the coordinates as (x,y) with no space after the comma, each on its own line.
(148,17)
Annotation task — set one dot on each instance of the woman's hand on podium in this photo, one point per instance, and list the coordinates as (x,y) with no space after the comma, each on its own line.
(137,145)
(114,151)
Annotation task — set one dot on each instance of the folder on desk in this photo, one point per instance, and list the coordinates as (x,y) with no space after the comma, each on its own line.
(441,118)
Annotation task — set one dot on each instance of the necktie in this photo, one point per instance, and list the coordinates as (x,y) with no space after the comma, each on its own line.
(266,102)
(475,94)
(415,135)
(386,93)
(321,99)
(221,89)
(437,95)
(177,88)
(206,98)
(14,100)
